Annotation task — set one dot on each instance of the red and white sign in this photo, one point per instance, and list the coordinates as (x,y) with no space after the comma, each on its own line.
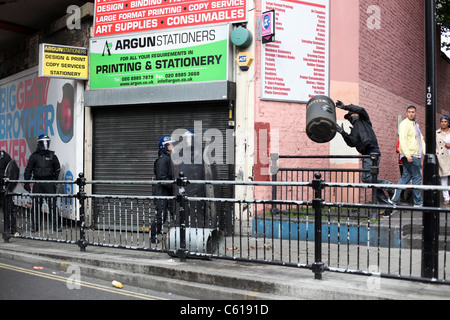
(114,17)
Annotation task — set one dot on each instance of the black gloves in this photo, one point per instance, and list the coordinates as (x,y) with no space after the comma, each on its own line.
(339,128)
(340,104)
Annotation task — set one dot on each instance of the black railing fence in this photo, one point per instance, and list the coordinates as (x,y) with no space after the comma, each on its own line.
(303,169)
(314,233)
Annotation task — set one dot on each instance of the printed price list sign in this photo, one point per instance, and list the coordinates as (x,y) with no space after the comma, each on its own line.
(296,66)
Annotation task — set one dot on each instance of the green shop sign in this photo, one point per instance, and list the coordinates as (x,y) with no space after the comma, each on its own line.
(188,55)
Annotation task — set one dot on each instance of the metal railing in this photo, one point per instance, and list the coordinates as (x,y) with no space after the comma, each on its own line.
(313,233)
(303,168)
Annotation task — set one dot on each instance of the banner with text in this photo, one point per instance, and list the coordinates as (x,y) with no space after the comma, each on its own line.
(296,66)
(188,55)
(113,17)
(57,61)
(30,106)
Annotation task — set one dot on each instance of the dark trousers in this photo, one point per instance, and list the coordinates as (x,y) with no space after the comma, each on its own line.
(37,204)
(8,214)
(162,208)
(367,178)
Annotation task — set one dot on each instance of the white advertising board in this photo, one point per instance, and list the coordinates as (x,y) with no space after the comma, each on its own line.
(295,67)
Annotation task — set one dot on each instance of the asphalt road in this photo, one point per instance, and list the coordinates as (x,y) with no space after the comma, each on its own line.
(21,281)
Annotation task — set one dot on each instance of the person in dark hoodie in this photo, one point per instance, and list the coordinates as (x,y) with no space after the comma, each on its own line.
(363,138)
(43,164)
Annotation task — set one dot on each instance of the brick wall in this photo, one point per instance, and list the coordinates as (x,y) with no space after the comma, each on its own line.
(443,83)
(392,57)
(392,70)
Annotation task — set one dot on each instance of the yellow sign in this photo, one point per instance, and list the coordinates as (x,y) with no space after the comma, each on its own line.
(244,60)
(57,61)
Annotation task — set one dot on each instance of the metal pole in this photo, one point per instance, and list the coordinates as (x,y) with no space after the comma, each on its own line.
(374,171)
(81,182)
(274,171)
(181,199)
(430,220)
(6,229)
(318,266)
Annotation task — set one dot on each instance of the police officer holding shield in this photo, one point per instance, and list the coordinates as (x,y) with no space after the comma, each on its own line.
(43,165)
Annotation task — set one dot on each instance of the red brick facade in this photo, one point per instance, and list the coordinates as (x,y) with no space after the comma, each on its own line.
(443,80)
(392,72)
(377,60)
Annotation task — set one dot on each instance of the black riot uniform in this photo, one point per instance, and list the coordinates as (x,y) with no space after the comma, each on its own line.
(43,164)
(192,165)
(8,213)
(4,160)
(163,170)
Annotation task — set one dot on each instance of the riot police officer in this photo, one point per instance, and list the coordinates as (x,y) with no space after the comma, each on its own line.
(163,170)
(4,160)
(7,204)
(43,165)
(190,162)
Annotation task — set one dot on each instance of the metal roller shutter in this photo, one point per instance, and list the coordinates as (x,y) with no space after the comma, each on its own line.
(125,140)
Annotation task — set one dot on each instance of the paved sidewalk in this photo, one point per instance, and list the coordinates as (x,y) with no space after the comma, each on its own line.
(215,279)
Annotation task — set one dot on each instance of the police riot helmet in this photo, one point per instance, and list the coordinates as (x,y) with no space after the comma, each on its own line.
(43,142)
(164,142)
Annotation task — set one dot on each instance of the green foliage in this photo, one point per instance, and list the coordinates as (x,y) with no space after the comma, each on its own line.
(443,20)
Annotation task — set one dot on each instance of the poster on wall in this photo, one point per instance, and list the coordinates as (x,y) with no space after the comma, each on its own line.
(30,106)
(165,57)
(130,16)
(295,67)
